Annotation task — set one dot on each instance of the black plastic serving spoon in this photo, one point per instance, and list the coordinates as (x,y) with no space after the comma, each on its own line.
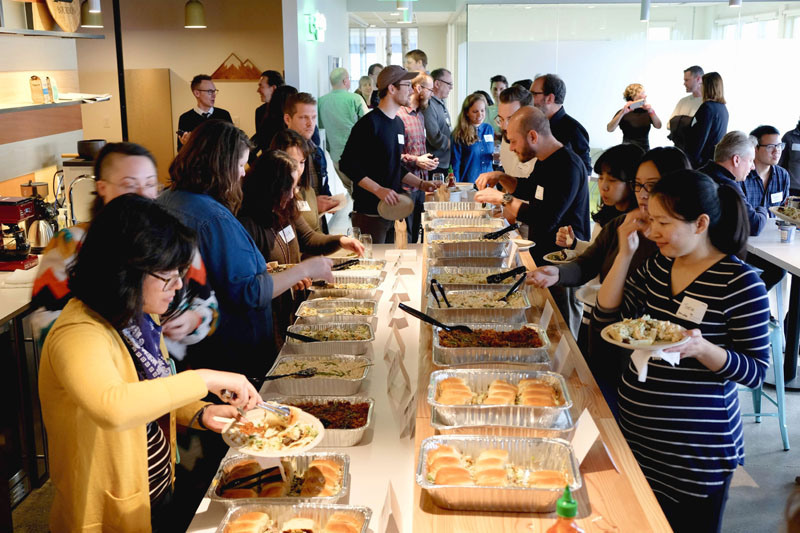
(301,337)
(497,278)
(513,288)
(305,373)
(430,320)
(499,233)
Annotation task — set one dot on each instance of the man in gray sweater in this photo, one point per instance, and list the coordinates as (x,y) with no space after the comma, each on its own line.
(437,119)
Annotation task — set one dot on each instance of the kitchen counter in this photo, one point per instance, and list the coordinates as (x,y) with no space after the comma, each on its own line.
(13,301)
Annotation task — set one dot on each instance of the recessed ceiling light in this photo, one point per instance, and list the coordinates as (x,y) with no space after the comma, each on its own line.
(394,14)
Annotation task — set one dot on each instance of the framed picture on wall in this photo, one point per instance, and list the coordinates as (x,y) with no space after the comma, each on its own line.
(334,62)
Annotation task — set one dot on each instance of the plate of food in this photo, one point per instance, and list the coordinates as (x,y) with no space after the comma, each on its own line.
(263,433)
(644,333)
(561,257)
(787,214)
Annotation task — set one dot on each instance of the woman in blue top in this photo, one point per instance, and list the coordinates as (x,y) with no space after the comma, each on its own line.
(710,122)
(473,141)
(683,422)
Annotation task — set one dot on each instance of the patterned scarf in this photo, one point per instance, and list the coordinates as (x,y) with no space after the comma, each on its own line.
(143,338)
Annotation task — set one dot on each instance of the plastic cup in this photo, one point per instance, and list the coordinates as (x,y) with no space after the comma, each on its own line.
(787,233)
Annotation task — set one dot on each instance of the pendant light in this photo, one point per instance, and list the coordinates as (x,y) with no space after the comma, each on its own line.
(94,6)
(194,15)
(735,3)
(644,14)
(89,19)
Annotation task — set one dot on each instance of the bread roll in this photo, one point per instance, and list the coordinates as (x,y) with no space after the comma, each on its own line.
(453,475)
(492,477)
(495,458)
(299,525)
(455,397)
(254,522)
(241,469)
(313,482)
(443,460)
(500,398)
(277,489)
(453,383)
(239,493)
(537,400)
(329,468)
(548,479)
(442,451)
(501,385)
(343,523)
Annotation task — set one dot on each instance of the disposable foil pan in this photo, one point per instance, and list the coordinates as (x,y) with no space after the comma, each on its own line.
(326,308)
(562,427)
(300,464)
(533,358)
(328,347)
(320,385)
(373,278)
(379,263)
(460,245)
(487,262)
(461,315)
(434,272)
(534,454)
(350,294)
(334,438)
(459,223)
(280,513)
(509,415)
(457,209)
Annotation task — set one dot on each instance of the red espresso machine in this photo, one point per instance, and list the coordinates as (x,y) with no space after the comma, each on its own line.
(15,250)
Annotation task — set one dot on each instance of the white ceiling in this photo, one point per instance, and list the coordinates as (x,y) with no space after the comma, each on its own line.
(382,19)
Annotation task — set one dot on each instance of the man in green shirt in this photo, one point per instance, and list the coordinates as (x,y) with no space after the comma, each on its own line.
(339,110)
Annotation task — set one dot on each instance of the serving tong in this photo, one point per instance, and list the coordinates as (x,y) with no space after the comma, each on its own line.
(499,233)
(280,410)
(436,285)
(301,337)
(514,287)
(304,373)
(345,264)
(252,481)
(497,278)
(430,320)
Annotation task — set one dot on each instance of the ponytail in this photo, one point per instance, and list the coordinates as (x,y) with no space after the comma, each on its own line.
(729,235)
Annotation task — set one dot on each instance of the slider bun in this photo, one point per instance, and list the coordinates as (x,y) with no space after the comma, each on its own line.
(502,385)
(455,397)
(242,469)
(253,522)
(497,453)
(492,477)
(499,398)
(330,469)
(548,478)
(442,451)
(488,463)
(444,460)
(299,524)
(276,489)
(313,482)
(453,475)
(532,382)
(239,493)
(538,401)
(343,523)
(453,382)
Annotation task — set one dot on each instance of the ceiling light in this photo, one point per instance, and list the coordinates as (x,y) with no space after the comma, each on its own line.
(734,3)
(194,15)
(645,13)
(94,6)
(408,15)
(89,19)
(403,5)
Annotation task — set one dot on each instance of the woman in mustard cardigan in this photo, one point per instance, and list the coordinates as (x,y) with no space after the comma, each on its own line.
(109,398)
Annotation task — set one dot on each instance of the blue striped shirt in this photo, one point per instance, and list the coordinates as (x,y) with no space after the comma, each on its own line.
(683,424)
(755,193)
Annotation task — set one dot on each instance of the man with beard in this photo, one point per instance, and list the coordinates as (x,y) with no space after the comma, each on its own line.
(559,195)
(414,157)
(205,92)
(372,157)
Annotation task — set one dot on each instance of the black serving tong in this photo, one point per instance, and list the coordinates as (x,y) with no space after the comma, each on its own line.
(254,480)
(305,373)
(345,264)
(499,233)
(513,288)
(300,337)
(497,278)
(436,285)
(430,320)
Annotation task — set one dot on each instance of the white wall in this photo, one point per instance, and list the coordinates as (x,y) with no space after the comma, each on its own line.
(432,39)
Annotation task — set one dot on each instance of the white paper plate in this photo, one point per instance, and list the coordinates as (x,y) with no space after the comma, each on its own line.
(785,218)
(523,244)
(571,256)
(256,414)
(647,347)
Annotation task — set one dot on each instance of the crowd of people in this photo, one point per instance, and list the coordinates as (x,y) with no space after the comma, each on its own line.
(150,311)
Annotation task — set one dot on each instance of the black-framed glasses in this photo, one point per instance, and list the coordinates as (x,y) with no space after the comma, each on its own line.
(171,281)
(534,93)
(637,187)
(211,92)
(500,120)
(449,84)
(776,146)
(402,85)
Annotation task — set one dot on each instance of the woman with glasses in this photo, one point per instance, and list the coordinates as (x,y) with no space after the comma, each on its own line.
(635,121)
(710,122)
(473,141)
(122,168)
(683,421)
(110,400)
(606,361)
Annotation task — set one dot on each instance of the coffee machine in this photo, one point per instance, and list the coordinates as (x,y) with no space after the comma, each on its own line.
(43,225)
(15,251)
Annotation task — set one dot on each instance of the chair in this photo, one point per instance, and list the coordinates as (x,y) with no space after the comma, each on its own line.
(776,344)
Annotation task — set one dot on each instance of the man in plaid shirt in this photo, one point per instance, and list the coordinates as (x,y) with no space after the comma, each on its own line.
(768,184)
(415,158)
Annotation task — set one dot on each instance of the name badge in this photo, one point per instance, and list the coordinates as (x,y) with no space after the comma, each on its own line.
(776,198)
(287,234)
(692,310)
(796,147)
(302,205)
(489,138)
(401,139)
(539,195)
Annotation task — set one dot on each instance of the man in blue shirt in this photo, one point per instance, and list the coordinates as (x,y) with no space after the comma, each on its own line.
(768,184)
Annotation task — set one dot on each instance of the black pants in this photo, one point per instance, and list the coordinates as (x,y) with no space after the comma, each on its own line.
(161,514)
(382,230)
(771,275)
(414,220)
(571,308)
(696,515)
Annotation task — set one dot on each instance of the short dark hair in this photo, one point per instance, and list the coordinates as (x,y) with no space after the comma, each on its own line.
(209,163)
(129,238)
(486,97)
(273,77)
(687,194)
(532,119)
(290,107)
(667,159)
(525,84)
(764,130)
(285,139)
(695,70)
(516,93)
(373,66)
(620,161)
(553,84)
(418,55)
(439,73)
(495,79)
(120,148)
(270,180)
(197,80)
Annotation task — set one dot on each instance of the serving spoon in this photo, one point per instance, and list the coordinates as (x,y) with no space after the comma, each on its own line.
(430,320)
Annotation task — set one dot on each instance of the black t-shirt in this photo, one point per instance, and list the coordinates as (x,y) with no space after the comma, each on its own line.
(559,197)
(373,151)
(191,119)
(635,128)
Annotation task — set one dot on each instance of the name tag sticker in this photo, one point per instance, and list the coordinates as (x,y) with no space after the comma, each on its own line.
(302,205)
(401,139)
(796,147)
(692,310)
(539,193)
(287,234)
(489,138)
(776,198)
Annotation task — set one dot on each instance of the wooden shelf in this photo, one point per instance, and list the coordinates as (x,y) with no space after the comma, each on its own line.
(34,107)
(43,33)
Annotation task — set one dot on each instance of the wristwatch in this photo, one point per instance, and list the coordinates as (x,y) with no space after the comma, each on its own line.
(507,199)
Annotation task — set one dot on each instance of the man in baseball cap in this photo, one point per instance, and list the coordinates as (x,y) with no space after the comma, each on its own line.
(372,156)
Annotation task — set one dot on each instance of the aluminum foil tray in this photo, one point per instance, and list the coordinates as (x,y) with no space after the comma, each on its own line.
(435,271)
(300,464)
(457,209)
(379,263)
(334,438)
(374,277)
(459,223)
(330,305)
(463,315)
(280,513)
(535,454)
(327,347)
(487,262)
(562,428)
(505,415)
(462,247)
(350,294)
(319,386)
(532,358)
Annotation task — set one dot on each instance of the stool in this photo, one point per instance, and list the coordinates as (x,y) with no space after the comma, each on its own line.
(776,345)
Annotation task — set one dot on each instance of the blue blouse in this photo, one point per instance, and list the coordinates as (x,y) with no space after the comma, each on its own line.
(470,161)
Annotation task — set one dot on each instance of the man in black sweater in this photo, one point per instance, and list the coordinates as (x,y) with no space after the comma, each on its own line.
(548,93)
(205,92)
(559,196)
(372,156)
(267,83)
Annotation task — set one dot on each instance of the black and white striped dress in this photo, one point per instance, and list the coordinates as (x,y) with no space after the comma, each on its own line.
(683,424)
(159,467)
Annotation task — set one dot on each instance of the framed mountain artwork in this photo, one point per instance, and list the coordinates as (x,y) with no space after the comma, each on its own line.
(234,68)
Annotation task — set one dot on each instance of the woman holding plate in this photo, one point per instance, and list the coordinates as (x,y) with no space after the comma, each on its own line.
(683,423)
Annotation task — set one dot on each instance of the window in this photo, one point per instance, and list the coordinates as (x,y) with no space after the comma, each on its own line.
(659,33)
(369,45)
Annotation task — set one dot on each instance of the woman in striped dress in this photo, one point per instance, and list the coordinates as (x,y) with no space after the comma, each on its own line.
(683,423)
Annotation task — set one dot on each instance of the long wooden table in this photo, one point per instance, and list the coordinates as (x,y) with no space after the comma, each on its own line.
(608,501)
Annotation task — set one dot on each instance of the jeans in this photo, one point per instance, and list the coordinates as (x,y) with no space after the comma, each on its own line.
(382,230)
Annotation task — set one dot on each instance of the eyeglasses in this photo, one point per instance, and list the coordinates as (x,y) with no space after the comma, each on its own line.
(534,93)
(402,85)
(170,282)
(211,92)
(449,84)
(771,147)
(500,120)
(637,187)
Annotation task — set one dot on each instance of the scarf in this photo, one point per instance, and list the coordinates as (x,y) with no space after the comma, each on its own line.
(143,338)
